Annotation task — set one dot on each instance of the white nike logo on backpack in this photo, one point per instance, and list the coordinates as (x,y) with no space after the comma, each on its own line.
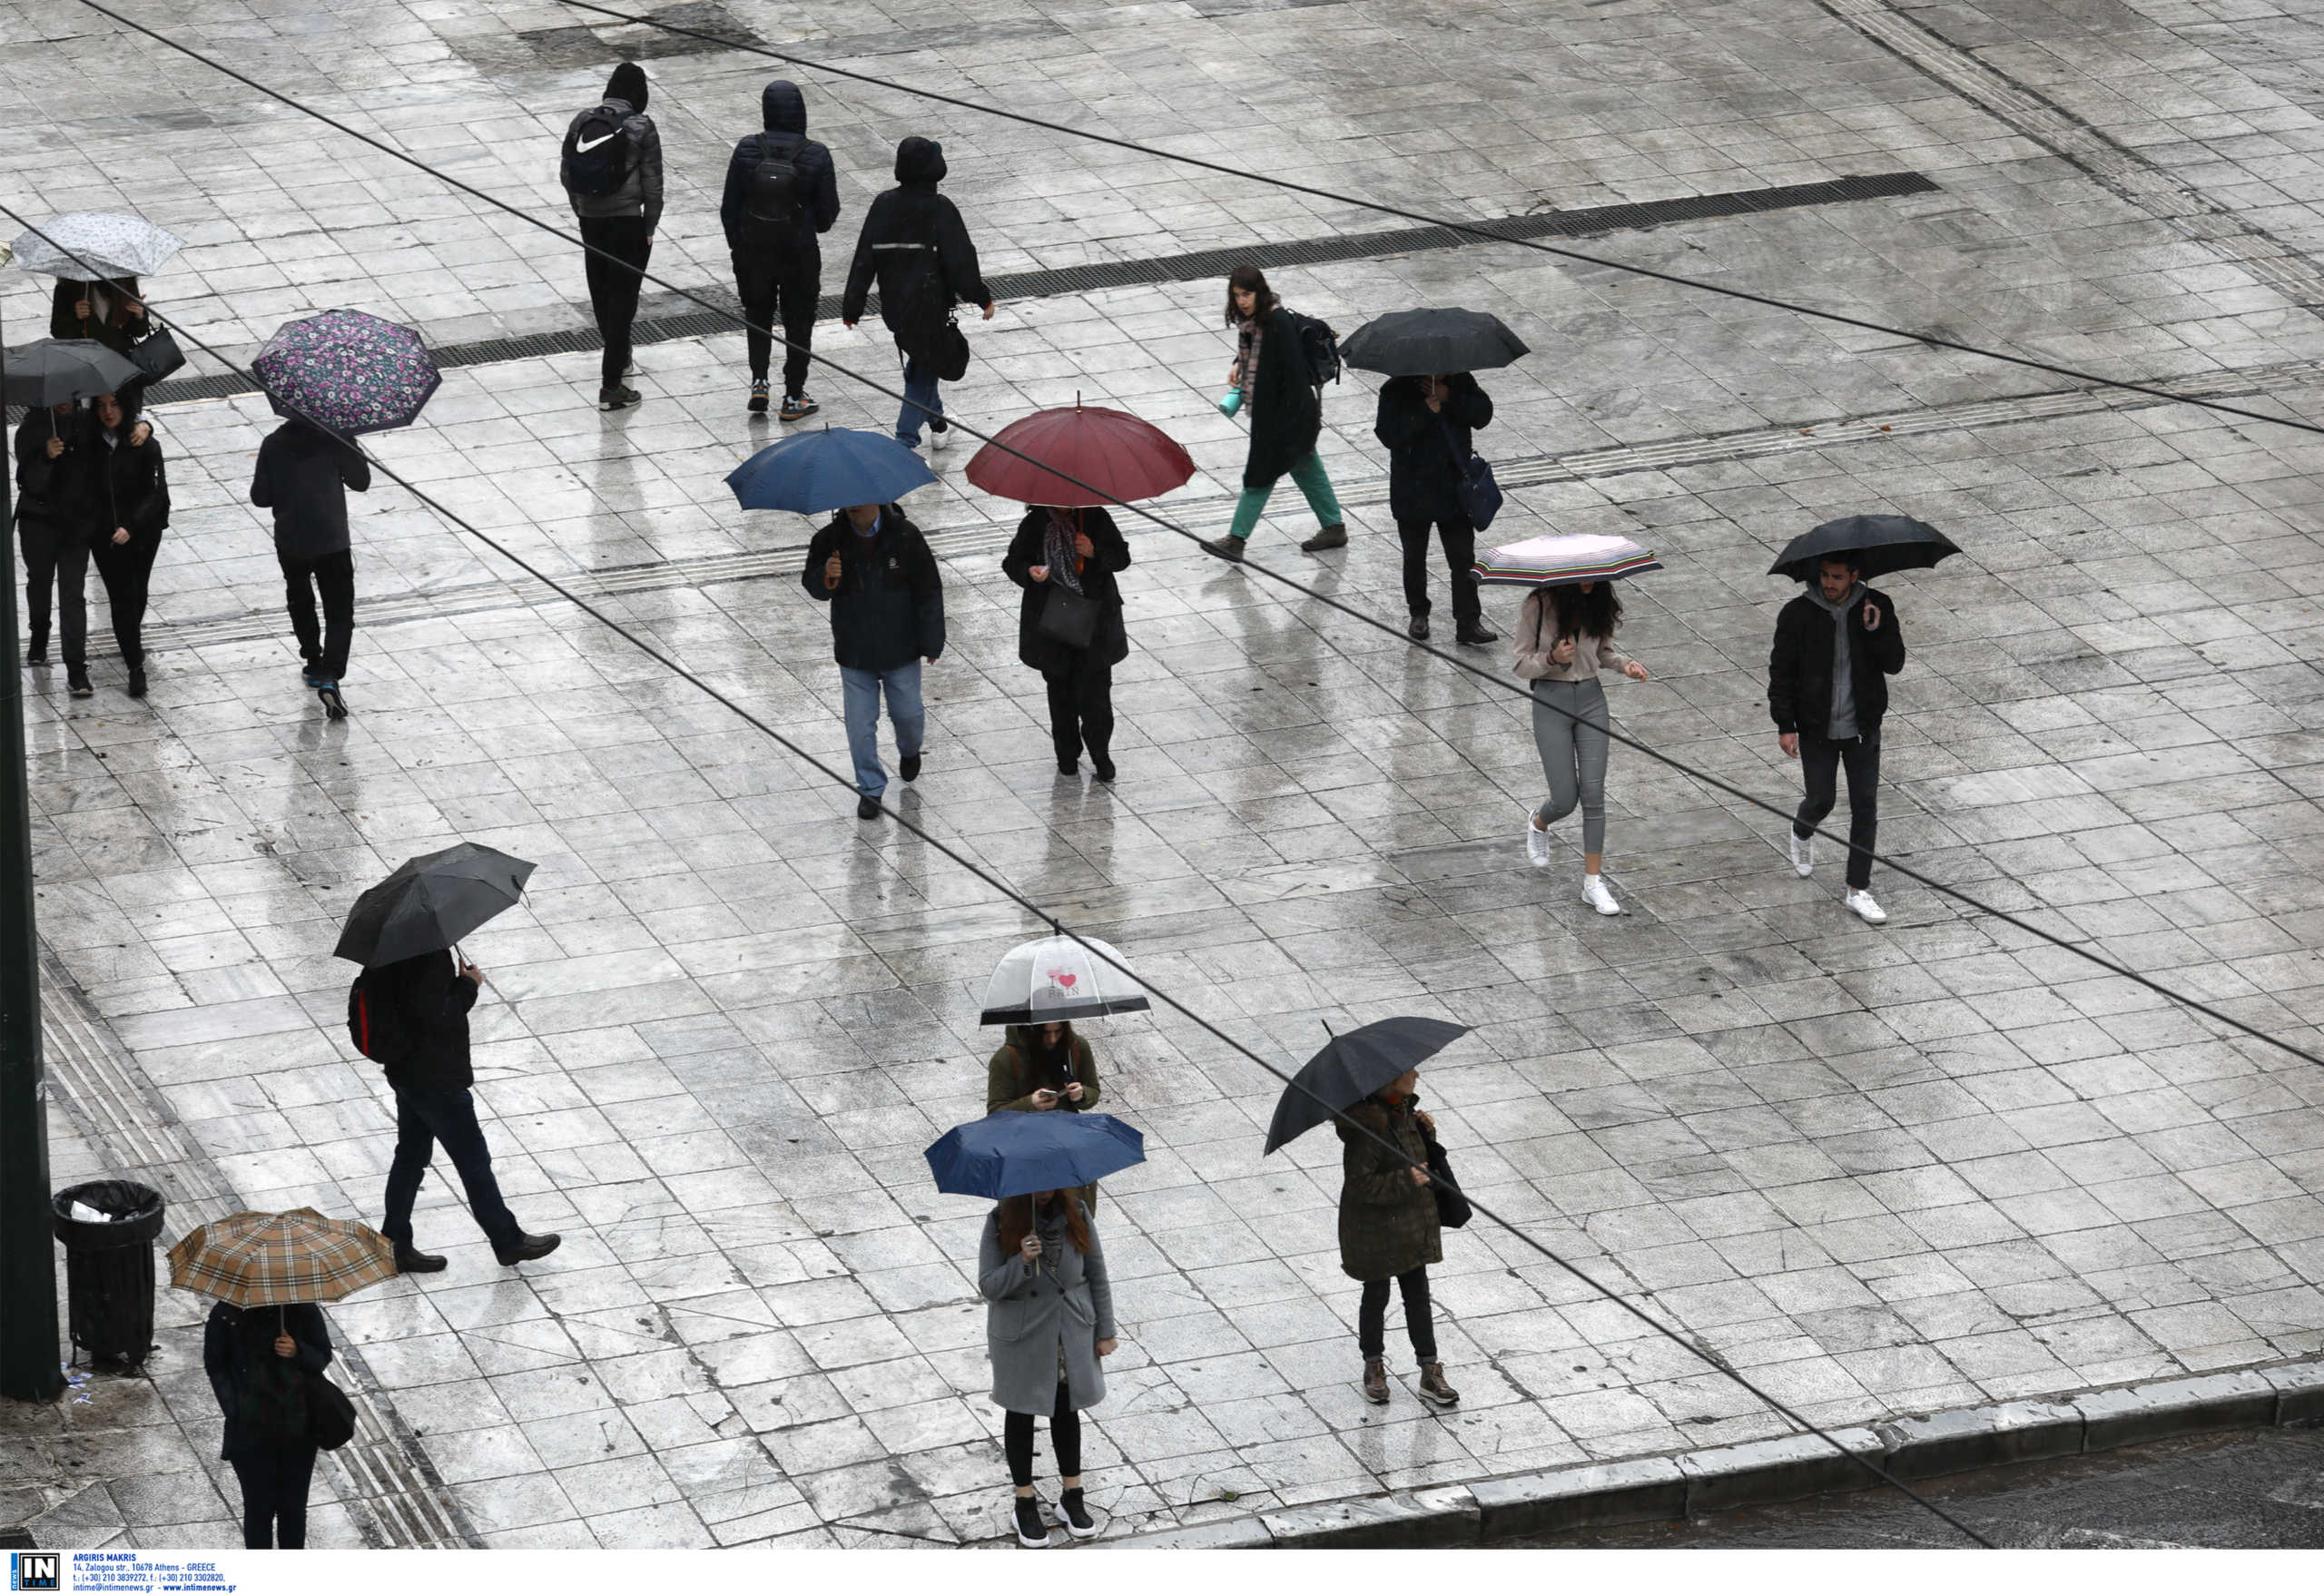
(583,146)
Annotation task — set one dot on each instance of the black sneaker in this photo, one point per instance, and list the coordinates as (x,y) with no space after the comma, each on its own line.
(866,808)
(1228,548)
(758,397)
(910,764)
(76,681)
(1102,767)
(36,651)
(1416,628)
(617,399)
(1076,1515)
(1030,1530)
(137,681)
(798,406)
(527,1249)
(314,675)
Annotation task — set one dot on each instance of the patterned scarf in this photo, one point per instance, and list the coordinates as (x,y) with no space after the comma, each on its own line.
(1064,558)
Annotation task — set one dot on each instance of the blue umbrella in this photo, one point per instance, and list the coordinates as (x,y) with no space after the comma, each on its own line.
(1011,1154)
(816,472)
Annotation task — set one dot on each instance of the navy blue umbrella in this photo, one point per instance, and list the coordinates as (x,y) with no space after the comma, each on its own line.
(814,473)
(1012,1154)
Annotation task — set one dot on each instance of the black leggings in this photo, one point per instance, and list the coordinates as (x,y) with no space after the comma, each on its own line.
(274,1495)
(1420,1320)
(1065,1434)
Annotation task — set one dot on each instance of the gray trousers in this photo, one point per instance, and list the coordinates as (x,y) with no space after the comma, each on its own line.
(1573,754)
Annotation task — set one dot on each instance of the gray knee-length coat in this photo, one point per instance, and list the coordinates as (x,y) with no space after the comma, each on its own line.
(1061,1303)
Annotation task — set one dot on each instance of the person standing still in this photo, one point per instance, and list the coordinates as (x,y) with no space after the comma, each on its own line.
(1836,645)
(611,171)
(125,506)
(1049,1329)
(51,530)
(878,574)
(1424,423)
(916,246)
(781,193)
(1270,378)
(249,1353)
(1389,1230)
(304,476)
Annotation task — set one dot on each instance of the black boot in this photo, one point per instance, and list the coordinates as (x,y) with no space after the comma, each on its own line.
(36,651)
(1030,1530)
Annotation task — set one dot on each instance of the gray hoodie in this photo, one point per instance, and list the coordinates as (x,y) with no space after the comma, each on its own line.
(1843,722)
(640,193)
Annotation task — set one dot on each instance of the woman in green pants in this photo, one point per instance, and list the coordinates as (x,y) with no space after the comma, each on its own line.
(1270,378)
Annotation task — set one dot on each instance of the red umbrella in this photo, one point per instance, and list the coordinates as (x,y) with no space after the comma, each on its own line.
(1123,458)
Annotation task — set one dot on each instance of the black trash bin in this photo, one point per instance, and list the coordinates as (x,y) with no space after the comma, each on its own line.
(109,1268)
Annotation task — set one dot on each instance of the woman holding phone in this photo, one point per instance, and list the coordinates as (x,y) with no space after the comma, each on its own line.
(1040,1067)
(1564,636)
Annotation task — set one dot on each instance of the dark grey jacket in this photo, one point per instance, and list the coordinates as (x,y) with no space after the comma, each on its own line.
(640,193)
(229,1344)
(1033,1314)
(304,476)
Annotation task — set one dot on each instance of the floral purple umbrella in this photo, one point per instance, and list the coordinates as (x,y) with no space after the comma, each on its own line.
(349,370)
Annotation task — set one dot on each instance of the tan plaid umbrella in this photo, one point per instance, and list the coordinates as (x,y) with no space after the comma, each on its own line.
(263,1260)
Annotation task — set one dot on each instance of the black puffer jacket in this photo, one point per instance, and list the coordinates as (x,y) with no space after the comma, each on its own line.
(1286,412)
(434,997)
(1028,548)
(121,484)
(48,491)
(917,247)
(1799,668)
(889,607)
(1423,445)
(784,110)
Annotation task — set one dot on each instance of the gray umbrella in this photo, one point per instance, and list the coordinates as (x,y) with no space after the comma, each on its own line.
(54,370)
(427,904)
(96,243)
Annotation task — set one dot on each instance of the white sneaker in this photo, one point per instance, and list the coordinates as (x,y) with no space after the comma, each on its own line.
(1595,894)
(1864,904)
(1803,853)
(1537,844)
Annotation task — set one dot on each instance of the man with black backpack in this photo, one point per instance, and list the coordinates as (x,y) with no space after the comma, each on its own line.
(915,243)
(781,192)
(612,171)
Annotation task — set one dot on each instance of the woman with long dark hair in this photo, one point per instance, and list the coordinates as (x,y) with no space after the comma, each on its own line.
(1269,379)
(1076,551)
(111,311)
(1389,1230)
(1041,1068)
(126,500)
(1565,635)
(255,1359)
(1049,1320)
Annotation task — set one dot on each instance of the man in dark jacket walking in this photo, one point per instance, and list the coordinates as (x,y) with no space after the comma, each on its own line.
(1424,424)
(55,541)
(304,476)
(781,192)
(915,243)
(611,171)
(876,571)
(430,995)
(1836,645)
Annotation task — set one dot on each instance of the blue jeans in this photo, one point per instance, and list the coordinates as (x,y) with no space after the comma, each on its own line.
(859,695)
(920,388)
(423,1119)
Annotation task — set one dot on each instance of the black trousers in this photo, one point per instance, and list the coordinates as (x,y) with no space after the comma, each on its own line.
(1459,540)
(426,1120)
(1065,1434)
(56,556)
(274,1495)
(789,286)
(1819,762)
(612,288)
(324,647)
(127,570)
(1420,1318)
(1081,705)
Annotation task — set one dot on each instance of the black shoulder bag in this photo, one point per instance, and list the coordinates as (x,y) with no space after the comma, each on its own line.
(1452,1208)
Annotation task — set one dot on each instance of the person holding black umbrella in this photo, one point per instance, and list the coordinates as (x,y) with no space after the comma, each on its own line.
(55,541)
(1424,423)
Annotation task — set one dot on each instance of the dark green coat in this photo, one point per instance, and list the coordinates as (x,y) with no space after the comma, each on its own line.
(1388,1225)
(1009,1084)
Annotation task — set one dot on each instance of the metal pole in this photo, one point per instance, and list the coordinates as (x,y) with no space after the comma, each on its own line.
(28,1342)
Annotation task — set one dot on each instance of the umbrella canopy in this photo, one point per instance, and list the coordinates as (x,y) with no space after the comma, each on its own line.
(816,473)
(53,370)
(348,370)
(95,243)
(1425,343)
(1564,557)
(265,1260)
(1881,544)
(1010,1154)
(1350,1068)
(1056,977)
(429,902)
(1122,457)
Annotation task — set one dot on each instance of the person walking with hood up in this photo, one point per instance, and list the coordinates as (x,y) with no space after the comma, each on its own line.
(876,571)
(781,193)
(1269,377)
(50,528)
(917,247)
(611,171)
(304,476)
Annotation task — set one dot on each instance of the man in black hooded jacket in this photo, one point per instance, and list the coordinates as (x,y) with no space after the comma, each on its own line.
(781,192)
(611,171)
(915,243)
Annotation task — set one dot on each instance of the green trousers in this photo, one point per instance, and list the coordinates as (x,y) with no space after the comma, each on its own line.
(1309,473)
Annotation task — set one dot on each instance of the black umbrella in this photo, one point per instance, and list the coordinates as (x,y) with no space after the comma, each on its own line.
(431,902)
(53,370)
(1881,544)
(1354,1066)
(1425,343)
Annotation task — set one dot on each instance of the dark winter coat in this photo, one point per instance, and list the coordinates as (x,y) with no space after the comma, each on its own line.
(1062,1306)
(433,998)
(1428,451)
(116,331)
(784,110)
(1028,548)
(917,247)
(48,491)
(1799,668)
(304,477)
(889,608)
(1388,1225)
(1286,412)
(640,193)
(121,484)
(229,1346)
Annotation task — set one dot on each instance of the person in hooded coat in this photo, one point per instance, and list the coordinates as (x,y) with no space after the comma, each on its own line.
(620,222)
(1078,550)
(915,244)
(304,476)
(1269,379)
(781,193)
(124,503)
(55,541)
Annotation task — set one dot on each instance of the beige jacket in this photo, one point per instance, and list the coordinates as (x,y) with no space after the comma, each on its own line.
(1537,635)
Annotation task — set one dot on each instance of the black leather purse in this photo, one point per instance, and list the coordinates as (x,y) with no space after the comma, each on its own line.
(1069,617)
(331,1412)
(156,355)
(1452,1208)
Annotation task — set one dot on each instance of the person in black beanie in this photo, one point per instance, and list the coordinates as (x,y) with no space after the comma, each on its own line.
(612,171)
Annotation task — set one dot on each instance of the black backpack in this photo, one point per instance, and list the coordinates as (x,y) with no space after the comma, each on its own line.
(375,1023)
(1319,346)
(773,201)
(597,152)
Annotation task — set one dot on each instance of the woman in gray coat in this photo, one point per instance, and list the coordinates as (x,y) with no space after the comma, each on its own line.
(1049,1318)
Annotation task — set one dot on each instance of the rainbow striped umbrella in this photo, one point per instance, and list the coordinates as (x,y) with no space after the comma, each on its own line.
(1563,557)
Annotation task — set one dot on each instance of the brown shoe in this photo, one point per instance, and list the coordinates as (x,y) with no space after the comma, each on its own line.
(1432,1385)
(1375,1380)
(1332,537)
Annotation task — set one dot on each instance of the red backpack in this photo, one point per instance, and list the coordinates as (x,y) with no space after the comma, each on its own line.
(375,1023)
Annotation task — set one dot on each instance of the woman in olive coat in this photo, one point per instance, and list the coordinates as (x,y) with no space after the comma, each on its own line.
(1078,551)
(1049,1320)
(1040,1067)
(1389,1229)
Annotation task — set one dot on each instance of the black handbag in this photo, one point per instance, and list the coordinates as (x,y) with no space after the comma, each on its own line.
(156,355)
(1479,494)
(1070,618)
(1452,1208)
(330,1414)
